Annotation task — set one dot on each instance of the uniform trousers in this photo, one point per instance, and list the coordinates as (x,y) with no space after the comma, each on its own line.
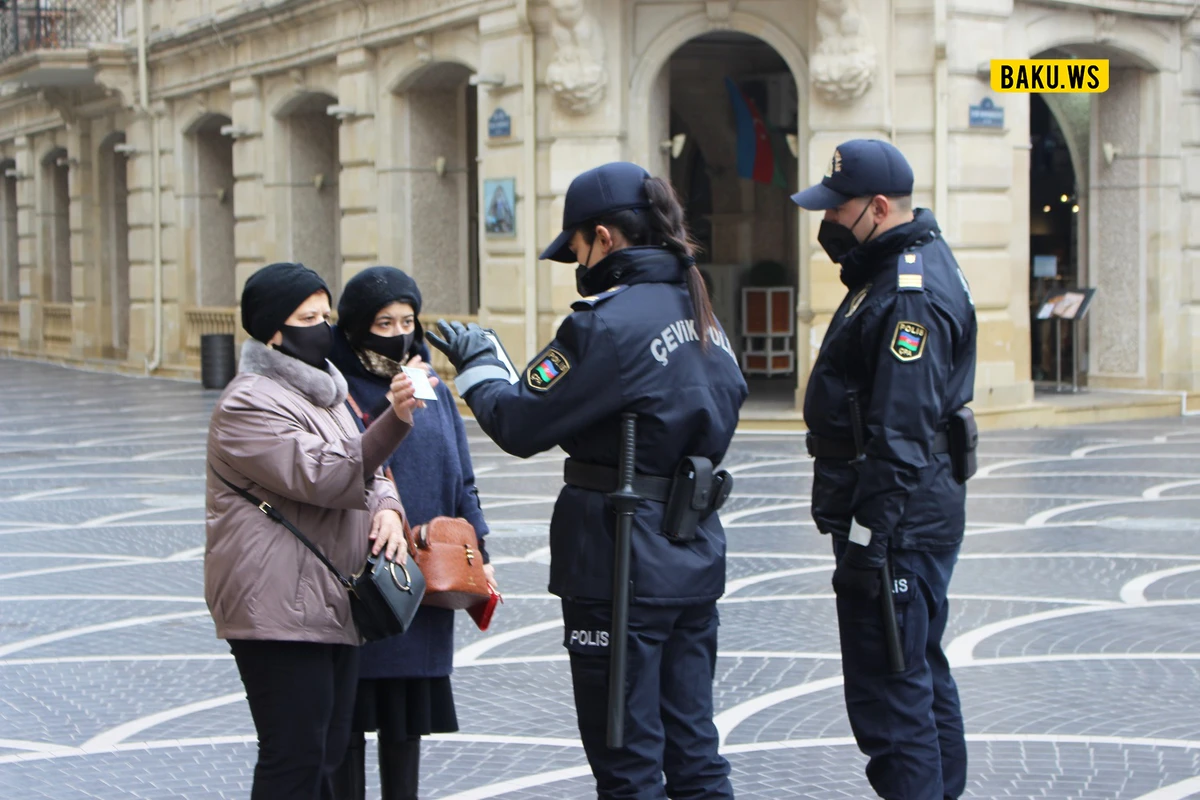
(301,697)
(909,724)
(669,730)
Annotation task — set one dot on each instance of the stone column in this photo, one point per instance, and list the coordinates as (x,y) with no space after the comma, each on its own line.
(31,285)
(986,219)
(249,196)
(1189,125)
(87,315)
(358,181)
(849,100)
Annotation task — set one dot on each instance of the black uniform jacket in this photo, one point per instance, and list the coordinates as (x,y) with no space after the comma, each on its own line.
(904,337)
(633,347)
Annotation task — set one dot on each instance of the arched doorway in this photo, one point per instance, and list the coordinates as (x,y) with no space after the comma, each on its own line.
(312,171)
(56,227)
(114,246)
(1057,232)
(8,233)
(209,212)
(434,182)
(730,135)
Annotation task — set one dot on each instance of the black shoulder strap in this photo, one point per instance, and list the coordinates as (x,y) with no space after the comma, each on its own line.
(271,512)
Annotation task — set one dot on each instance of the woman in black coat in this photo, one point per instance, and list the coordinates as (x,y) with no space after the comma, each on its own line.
(404,682)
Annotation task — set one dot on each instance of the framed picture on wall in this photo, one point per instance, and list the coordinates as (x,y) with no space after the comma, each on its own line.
(499,210)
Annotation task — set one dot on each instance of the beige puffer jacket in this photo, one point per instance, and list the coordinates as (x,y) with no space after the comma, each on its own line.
(281,431)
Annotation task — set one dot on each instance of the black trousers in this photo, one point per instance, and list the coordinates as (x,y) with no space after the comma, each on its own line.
(301,697)
(910,724)
(669,730)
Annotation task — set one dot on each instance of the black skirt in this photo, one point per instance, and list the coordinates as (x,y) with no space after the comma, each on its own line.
(405,707)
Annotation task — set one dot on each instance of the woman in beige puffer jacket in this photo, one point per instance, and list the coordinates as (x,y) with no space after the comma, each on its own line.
(281,431)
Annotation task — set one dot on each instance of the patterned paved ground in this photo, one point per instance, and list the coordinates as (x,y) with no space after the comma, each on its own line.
(1073,630)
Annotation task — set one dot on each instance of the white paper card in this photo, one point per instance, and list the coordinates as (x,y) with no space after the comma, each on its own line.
(421,383)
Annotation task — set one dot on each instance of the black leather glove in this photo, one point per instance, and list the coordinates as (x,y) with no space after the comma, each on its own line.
(858,570)
(855,581)
(465,345)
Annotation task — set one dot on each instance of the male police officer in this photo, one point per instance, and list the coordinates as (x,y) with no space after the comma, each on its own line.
(894,446)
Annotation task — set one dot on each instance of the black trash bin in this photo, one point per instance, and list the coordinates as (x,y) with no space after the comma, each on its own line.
(217,366)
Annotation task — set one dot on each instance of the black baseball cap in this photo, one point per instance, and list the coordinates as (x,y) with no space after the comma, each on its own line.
(859,168)
(616,186)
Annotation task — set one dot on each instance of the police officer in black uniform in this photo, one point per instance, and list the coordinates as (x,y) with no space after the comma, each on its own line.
(894,446)
(643,339)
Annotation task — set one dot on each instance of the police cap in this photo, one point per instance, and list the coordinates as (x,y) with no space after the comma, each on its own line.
(859,168)
(609,188)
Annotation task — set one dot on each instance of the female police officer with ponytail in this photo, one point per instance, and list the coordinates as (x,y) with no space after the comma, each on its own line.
(643,339)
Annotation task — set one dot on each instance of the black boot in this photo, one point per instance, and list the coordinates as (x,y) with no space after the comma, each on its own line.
(399,768)
(349,781)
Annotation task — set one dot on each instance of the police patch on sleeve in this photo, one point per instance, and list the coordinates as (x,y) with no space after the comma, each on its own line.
(908,343)
(547,371)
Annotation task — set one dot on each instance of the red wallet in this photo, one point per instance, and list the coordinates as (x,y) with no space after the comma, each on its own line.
(482,612)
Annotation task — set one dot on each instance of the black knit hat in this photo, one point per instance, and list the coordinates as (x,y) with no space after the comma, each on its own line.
(273,293)
(371,290)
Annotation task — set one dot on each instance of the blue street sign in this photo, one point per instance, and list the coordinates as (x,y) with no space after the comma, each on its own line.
(986,115)
(499,124)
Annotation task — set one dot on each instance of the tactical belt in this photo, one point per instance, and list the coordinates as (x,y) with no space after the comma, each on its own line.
(604,479)
(844,450)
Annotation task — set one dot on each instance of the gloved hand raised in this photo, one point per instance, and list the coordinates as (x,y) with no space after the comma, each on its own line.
(463,344)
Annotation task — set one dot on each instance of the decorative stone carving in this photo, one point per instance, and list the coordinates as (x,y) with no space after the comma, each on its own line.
(577,75)
(1106,25)
(843,64)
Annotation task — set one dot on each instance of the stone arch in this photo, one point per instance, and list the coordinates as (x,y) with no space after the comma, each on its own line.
(431,73)
(431,183)
(10,290)
(308,166)
(56,226)
(1115,198)
(208,212)
(112,258)
(1132,42)
(658,53)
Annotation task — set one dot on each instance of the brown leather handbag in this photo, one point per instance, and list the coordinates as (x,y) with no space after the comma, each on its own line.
(447,551)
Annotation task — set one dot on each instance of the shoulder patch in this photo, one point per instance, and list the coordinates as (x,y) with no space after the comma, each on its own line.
(596,299)
(910,274)
(908,342)
(547,370)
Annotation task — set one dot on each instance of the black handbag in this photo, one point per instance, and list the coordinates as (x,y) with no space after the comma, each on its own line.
(381,603)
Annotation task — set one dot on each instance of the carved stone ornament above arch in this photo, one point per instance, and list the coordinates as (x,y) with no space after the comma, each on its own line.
(844,61)
(578,74)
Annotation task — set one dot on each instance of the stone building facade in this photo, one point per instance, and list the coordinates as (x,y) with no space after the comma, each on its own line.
(155,153)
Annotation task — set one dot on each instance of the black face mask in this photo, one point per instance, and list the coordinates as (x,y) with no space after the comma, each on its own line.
(311,344)
(581,273)
(393,347)
(838,240)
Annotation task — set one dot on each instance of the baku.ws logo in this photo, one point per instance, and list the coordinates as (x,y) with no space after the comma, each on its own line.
(1050,75)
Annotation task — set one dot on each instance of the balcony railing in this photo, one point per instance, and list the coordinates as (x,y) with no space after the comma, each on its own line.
(28,25)
(199,321)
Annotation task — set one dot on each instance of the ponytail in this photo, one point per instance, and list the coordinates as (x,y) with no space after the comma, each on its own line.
(670,227)
(663,225)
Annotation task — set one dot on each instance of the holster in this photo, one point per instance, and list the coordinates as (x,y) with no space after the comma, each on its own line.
(964,440)
(696,492)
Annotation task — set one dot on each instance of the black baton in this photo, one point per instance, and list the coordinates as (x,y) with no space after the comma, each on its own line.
(891,629)
(625,501)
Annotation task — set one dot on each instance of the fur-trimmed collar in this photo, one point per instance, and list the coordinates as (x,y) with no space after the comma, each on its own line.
(325,389)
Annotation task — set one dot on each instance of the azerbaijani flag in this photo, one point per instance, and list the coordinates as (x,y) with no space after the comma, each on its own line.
(756,146)
(546,370)
(909,342)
